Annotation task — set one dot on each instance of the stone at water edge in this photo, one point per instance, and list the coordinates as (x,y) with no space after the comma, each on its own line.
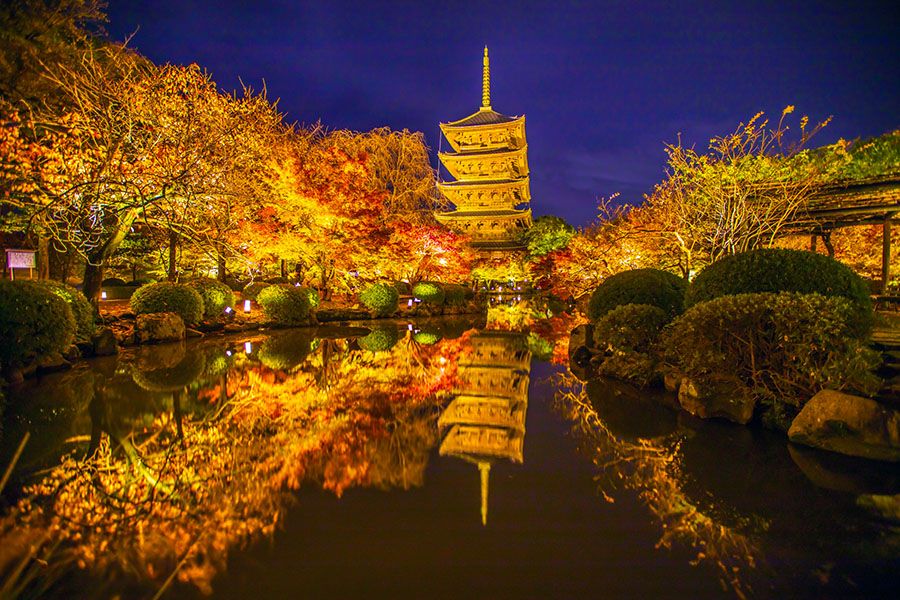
(51,363)
(717,397)
(850,425)
(581,337)
(104,343)
(159,327)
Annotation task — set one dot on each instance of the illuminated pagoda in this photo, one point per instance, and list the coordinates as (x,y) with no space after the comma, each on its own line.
(490,165)
(485,422)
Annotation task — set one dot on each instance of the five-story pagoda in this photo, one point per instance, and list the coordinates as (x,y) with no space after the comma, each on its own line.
(490,165)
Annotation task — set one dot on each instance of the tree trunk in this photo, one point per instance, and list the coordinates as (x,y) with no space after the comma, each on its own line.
(220,263)
(43,257)
(173,248)
(93,279)
(96,261)
(283,270)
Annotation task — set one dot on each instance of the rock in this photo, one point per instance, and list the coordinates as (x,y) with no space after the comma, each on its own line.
(717,397)
(14,376)
(72,353)
(211,326)
(233,328)
(848,474)
(51,363)
(341,314)
(159,327)
(103,342)
(85,347)
(850,425)
(192,333)
(672,379)
(127,316)
(581,337)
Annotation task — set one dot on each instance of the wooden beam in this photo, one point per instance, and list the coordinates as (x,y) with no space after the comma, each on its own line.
(886,254)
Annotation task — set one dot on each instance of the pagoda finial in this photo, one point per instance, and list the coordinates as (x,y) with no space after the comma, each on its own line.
(486,83)
(485,469)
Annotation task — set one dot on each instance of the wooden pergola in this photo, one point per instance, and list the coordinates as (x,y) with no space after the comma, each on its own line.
(846,204)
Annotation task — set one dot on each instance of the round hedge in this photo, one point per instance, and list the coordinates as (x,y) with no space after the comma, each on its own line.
(312,296)
(403,288)
(431,292)
(285,305)
(216,296)
(781,270)
(427,337)
(380,339)
(639,286)
(167,296)
(34,322)
(81,307)
(112,281)
(630,328)
(252,289)
(380,298)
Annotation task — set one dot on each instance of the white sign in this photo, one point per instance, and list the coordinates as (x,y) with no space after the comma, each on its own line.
(20,259)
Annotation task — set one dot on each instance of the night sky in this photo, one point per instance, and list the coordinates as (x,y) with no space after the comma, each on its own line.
(603,84)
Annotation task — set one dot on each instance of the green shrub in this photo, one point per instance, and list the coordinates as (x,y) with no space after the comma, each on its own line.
(166,296)
(33,322)
(431,292)
(630,328)
(81,307)
(113,281)
(380,298)
(216,296)
(540,348)
(286,305)
(457,295)
(379,339)
(640,286)
(403,288)
(312,296)
(252,289)
(781,270)
(785,347)
(285,351)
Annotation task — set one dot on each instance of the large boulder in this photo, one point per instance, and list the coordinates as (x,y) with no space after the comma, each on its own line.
(159,327)
(103,342)
(717,397)
(850,425)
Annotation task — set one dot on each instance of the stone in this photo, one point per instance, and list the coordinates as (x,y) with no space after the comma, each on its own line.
(159,327)
(103,342)
(72,353)
(85,347)
(848,424)
(717,397)
(581,337)
(671,379)
(127,316)
(51,363)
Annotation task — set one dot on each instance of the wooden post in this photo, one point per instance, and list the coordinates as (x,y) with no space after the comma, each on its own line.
(886,254)
(813,242)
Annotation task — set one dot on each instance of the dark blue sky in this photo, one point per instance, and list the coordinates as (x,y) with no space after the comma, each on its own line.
(603,84)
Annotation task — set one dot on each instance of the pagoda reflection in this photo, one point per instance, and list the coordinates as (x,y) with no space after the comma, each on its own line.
(485,421)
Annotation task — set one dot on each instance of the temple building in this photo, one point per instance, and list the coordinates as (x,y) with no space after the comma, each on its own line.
(485,422)
(489,163)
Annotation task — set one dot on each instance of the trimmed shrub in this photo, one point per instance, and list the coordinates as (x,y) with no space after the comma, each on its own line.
(457,295)
(781,270)
(286,305)
(431,292)
(630,328)
(286,351)
(403,288)
(216,296)
(34,322)
(379,339)
(380,298)
(628,335)
(171,378)
(113,281)
(167,296)
(639,286)
(785,347)
(312,296)
(78,303)
(251,290)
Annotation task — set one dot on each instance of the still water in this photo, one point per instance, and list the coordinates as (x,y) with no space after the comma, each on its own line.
(448,458)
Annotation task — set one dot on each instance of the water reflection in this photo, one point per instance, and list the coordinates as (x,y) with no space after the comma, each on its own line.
(485,421)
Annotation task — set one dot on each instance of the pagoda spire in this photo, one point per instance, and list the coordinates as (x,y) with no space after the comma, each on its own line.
(486,82)
(484,468)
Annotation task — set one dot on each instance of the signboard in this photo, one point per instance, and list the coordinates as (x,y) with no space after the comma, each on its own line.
(20,259)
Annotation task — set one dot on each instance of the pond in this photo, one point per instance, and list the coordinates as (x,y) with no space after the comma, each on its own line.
(441,458)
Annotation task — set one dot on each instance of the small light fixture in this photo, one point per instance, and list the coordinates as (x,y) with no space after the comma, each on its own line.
(248,347)
(409,326)
(228,353)
(103,295)
(246,306)
(410,302)
(297,284)
(228,310)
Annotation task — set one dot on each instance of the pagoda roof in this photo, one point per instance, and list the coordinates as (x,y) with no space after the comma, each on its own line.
(484,182)
(505,212)
(480,153)
(483,116)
